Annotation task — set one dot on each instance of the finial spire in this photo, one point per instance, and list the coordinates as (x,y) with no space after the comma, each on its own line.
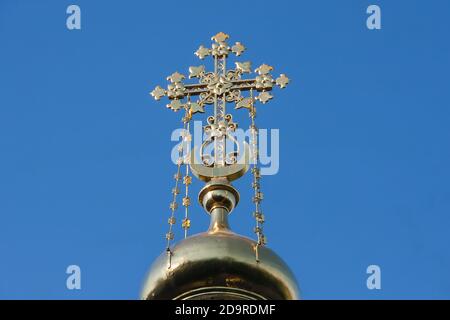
(220,166)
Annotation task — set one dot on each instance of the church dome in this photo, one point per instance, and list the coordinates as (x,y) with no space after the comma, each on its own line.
(219,265)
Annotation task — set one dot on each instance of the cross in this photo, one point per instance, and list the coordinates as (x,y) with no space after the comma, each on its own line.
(219,87)
(222,85)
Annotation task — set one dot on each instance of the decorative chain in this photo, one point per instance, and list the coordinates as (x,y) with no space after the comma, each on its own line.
(187,179)
(256,185)
(182,159)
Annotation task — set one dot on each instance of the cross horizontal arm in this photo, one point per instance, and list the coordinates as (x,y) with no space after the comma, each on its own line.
(242,84)
(195,89)
(247,85)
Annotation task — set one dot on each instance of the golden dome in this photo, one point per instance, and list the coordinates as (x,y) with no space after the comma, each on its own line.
(219,265)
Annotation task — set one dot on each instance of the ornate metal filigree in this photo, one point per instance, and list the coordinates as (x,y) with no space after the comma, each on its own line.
(221,83)
(216,131)
(220,159)
(218,88)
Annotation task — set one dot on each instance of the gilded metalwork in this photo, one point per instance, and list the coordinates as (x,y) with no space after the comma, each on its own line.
(218,88)
(187,180)
(182,159)
(219,264)
(231,173)
(221,83)
(256,183)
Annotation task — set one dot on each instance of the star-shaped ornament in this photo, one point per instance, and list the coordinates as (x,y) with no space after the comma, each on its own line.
(175,105)
(175,77)
(220,37)
(264,97)
(158,93)
(282,81)
(264,69)
(237,49)
(202,52)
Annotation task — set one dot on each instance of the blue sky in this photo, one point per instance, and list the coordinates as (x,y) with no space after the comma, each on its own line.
(85,171)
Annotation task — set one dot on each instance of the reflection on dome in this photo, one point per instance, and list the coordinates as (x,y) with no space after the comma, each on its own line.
(220,265)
